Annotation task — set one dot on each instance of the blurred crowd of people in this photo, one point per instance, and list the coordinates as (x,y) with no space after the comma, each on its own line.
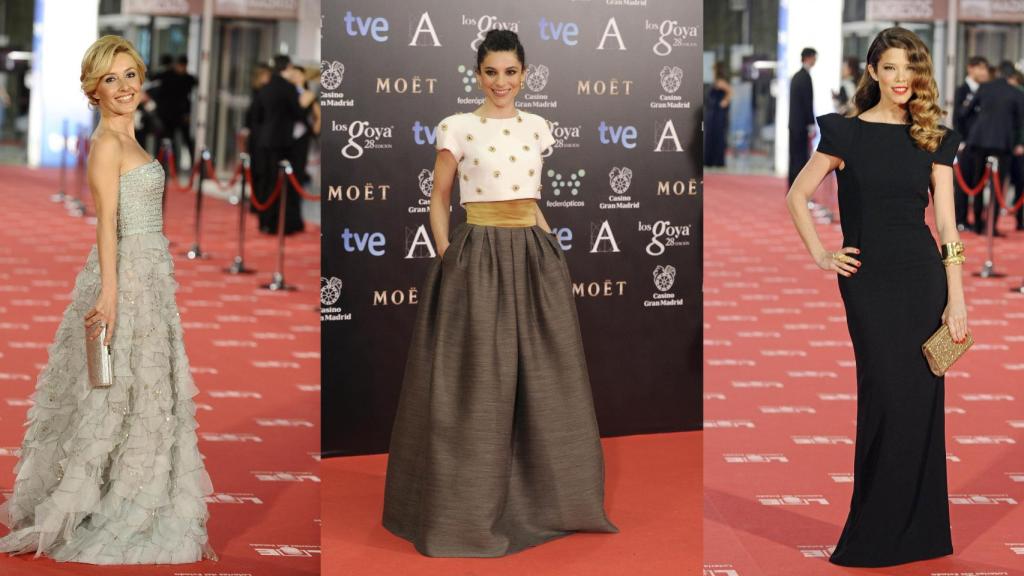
(282,122)
(988,111)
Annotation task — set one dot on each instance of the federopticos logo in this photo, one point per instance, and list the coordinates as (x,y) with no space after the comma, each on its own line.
(363,136)
(619,180)
(671,34)
(671,79)
(665,235)
(332,74)
(565,187)
(664,278)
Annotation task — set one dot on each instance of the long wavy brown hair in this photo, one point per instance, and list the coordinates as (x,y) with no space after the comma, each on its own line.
(923,107)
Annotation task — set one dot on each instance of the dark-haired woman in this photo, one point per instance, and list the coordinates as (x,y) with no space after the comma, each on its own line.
(897,291)
(495,445)
(717,117)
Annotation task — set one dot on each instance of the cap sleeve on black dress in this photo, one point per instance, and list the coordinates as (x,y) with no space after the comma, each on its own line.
(834,135)
(946,152)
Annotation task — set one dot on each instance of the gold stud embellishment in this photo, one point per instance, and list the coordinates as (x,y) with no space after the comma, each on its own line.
(511,158)
(515,187)
(491,148)
(506,131)
(532,172)
(536,136)
(497,174)
(526,148)
(469,137)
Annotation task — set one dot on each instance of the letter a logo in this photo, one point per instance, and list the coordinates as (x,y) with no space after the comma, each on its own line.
(668,132)
(424,25)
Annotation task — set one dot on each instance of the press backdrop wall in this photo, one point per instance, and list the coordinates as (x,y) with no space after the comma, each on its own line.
(620,83)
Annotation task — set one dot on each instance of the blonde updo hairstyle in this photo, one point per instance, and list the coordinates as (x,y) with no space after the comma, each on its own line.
(100,57)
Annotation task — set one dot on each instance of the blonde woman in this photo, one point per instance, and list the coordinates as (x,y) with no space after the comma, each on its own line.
(112,475)
(897,289)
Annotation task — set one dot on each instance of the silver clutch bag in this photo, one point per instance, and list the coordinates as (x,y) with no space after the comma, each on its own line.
(101,366)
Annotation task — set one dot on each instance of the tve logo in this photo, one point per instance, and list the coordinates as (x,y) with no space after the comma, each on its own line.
(372,242)
(564,238)
(565,32)
(374,27)
(624,135)
(423,134)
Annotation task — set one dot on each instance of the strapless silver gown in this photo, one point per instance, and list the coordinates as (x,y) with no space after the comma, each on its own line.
(114,476)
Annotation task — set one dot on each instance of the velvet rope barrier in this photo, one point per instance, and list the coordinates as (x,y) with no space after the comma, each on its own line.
(963,183)
(264,206)
(998,187)
(298,188)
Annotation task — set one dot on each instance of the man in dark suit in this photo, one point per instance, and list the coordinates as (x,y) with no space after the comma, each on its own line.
(801,114)
(963,102)
(996,117)
(274,114)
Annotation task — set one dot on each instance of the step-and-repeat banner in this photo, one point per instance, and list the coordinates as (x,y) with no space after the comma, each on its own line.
(619,82)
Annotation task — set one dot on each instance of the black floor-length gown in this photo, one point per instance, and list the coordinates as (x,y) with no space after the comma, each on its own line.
(899,511)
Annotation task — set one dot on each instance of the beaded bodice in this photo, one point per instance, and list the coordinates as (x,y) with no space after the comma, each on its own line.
(140,200)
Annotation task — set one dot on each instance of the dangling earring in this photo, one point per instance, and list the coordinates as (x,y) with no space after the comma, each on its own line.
(521,84)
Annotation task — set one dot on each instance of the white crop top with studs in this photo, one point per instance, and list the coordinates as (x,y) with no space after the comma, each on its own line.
(499,158)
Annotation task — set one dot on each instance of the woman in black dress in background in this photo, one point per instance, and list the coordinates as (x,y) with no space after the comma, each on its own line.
(888,153)
(716,112)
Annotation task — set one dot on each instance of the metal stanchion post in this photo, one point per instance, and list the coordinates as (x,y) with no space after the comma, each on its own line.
(195,253)
(238,266)
(278,283)
(62,193)
(989,268)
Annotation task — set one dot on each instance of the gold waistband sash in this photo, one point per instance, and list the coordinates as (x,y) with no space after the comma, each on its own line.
(504,214)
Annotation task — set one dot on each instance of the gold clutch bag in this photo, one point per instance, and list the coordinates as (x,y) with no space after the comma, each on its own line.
(101,366)
(941,351)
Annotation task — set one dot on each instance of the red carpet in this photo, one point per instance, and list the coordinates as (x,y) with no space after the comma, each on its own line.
(255,357)
(780,401)
(652,495)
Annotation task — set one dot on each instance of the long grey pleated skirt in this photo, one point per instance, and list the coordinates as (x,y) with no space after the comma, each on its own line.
(495,446)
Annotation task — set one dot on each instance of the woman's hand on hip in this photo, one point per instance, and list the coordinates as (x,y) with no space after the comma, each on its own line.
(955,316)
(103,313)
(840,261)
